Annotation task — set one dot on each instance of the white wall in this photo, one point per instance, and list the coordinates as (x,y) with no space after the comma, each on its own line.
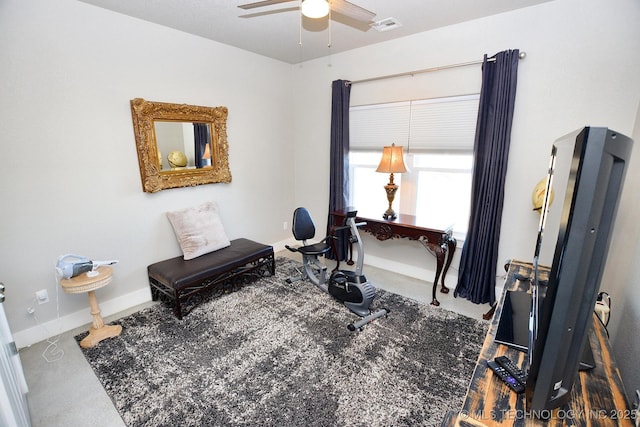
(622,273)
(582,68)
(70,181)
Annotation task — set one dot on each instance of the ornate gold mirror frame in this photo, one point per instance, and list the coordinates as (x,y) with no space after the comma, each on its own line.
(147,114)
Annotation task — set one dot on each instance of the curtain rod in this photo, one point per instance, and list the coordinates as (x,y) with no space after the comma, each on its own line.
(521,55)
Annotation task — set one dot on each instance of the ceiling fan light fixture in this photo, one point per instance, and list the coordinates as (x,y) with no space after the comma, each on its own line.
(315,8)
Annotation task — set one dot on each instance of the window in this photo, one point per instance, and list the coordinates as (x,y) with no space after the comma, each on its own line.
(437,135)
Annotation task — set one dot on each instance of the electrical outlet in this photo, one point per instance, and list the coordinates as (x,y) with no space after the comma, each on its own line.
(42,296)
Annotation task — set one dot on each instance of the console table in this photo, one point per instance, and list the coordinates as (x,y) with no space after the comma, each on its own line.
(597,397)
(439,242)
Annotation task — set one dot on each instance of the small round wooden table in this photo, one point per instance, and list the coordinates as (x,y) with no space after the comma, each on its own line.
(89,282)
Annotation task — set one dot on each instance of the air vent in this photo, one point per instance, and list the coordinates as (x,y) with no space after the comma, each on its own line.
(386,24)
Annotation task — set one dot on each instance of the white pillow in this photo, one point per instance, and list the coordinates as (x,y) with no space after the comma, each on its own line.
(199,230)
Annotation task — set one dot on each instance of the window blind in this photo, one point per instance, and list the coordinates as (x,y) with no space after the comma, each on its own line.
(419,125)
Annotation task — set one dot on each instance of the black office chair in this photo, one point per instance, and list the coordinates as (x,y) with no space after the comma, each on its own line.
(304,230)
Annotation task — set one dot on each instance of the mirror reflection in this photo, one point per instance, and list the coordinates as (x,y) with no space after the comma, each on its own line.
(183,145)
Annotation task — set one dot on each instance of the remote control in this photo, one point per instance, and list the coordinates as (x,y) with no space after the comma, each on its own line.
(506,377)
(512,368)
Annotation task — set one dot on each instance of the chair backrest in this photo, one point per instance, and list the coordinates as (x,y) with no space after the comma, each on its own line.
(303,227)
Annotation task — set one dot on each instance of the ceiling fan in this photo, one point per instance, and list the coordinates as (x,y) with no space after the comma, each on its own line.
(321,8)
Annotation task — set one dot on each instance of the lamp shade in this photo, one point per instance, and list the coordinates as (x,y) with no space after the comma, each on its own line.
(392,160)
(315,8)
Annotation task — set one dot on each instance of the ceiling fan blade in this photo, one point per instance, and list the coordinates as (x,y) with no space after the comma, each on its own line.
(352,11)
(262,3)
(268,12)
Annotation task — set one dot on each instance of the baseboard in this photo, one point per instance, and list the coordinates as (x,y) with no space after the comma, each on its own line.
(400,268)
(280,246)
(78,319)
(81,318)
(419,273)
(385,264)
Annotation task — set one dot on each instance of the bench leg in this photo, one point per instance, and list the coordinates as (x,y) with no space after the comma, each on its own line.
(272,265)
(177,308)
(154,293)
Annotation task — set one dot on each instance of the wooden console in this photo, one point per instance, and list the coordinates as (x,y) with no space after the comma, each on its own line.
(598,395)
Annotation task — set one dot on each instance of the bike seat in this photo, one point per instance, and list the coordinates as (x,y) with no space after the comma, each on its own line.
(320,248)
(304,229)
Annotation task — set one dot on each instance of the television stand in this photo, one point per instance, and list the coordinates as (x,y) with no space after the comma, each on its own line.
(598,396)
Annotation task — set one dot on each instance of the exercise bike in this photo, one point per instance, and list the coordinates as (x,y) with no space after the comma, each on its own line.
(349,287)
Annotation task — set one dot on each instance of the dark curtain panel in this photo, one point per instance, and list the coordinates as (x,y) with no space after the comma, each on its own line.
(339,160)
(477,275)
(201,138)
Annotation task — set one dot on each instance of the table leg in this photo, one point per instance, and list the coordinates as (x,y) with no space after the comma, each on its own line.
(439,264)
(489,314)
(350,260)
(442,253)
(98,331)
(451,249)
(439,252)
(95,310)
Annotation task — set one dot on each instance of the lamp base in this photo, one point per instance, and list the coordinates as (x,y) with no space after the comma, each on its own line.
(390,189)
(389,215)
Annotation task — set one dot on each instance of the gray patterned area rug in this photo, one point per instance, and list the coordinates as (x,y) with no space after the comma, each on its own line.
(278,354)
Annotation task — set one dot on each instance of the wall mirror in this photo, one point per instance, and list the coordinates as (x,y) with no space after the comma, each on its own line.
(180,145)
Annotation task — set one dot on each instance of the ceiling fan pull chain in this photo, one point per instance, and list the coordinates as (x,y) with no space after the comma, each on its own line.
(300,25)
(329,41)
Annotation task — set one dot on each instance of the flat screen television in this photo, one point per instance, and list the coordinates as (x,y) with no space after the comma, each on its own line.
(584,183)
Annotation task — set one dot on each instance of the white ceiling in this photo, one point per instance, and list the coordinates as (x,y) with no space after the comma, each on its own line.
(275,31)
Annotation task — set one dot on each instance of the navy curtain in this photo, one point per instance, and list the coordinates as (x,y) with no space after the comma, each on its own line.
(339,158)
(201,138)
(477,274)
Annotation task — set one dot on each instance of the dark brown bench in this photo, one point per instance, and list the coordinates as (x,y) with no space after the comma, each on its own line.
(186,283)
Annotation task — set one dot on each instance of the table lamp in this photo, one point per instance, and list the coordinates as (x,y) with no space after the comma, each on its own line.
(392,162)
(206,157)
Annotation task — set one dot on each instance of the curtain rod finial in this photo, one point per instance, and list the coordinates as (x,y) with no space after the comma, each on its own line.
(522,55)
